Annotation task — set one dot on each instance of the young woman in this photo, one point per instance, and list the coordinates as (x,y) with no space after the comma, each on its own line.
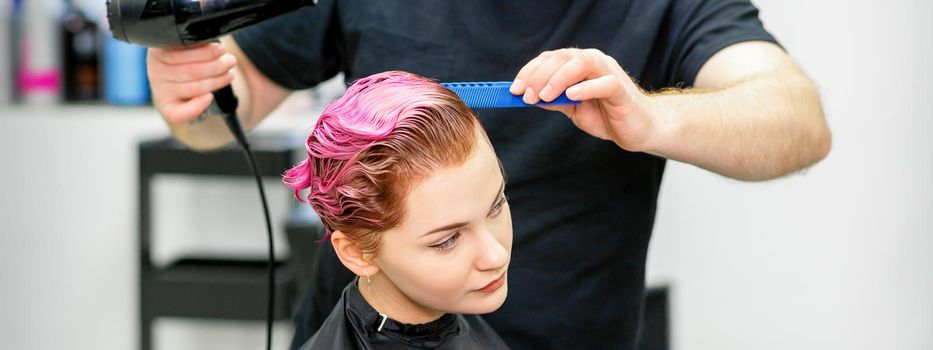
(412,195)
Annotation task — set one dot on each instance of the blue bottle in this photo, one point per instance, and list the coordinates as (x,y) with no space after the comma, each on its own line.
(125,80)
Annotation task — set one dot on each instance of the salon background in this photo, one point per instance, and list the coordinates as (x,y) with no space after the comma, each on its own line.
(839,256)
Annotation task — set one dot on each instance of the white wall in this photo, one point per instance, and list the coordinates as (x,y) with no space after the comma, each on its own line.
(68,230)
(838,257)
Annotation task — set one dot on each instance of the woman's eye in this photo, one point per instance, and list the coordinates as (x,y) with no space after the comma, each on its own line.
(498,207)
(447,244)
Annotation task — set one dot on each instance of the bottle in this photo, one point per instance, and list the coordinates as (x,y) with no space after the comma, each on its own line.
(6,51)
(38,79)
(125,80)
(80,47)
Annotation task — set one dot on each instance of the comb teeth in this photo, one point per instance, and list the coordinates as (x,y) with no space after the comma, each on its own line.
(495,94)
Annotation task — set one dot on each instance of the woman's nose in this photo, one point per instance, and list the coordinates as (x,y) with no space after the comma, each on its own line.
(491,255)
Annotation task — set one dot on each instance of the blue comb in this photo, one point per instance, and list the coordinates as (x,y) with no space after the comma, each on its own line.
(495,94)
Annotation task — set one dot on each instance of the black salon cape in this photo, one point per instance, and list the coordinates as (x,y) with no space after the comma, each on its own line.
(354,324)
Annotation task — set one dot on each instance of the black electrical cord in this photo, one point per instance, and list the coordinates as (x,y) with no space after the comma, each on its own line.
(227,103)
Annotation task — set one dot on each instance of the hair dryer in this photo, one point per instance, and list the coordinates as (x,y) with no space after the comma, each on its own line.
(172,23)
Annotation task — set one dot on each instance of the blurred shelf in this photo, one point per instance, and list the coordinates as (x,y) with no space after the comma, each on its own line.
(217,289)
(273,152)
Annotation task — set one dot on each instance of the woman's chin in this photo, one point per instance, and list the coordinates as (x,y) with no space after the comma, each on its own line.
(487,303)
(498,298)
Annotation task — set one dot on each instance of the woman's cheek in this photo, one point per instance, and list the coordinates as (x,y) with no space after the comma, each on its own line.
(447,276)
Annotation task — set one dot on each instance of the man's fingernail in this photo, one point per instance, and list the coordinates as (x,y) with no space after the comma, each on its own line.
(530,96)
(516,86)
(573,92)
(546,92)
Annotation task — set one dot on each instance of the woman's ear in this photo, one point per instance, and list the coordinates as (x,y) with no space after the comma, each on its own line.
(351,255)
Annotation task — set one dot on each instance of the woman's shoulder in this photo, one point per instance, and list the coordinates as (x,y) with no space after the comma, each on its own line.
(333,333)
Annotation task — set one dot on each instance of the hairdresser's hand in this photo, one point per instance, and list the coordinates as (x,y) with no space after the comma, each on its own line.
(613,107)
(182,79)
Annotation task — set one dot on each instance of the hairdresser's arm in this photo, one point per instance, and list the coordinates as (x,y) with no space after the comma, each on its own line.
(753,115)
(182,81)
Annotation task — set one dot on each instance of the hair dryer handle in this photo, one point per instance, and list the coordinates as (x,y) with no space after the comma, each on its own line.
(225,104)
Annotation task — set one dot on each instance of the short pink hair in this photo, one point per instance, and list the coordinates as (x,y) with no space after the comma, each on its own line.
(386,132)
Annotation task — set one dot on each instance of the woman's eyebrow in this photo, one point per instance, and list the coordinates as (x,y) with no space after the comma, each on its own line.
(445,228)
(461,224)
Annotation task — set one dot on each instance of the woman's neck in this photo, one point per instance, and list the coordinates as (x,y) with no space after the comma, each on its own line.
(387,299)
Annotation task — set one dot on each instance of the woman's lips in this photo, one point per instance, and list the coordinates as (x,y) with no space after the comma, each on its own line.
(494,285)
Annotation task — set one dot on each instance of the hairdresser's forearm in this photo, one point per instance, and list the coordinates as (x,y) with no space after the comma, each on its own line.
(759,128)
(202,136)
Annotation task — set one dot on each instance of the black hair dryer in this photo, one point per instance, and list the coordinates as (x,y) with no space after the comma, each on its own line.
(172,23)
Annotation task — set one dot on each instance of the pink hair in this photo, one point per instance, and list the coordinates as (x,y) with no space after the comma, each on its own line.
(368,147)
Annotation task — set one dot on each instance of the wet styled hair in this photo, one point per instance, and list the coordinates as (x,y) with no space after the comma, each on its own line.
(369,147)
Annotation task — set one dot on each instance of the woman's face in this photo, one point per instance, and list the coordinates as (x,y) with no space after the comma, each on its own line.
(452,249)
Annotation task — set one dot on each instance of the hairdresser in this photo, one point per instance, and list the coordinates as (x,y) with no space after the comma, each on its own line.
(697,81)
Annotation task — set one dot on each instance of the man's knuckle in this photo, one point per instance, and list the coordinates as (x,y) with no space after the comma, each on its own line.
(564,53)
(169,57)
(539,77)
(615,85)
(575,64)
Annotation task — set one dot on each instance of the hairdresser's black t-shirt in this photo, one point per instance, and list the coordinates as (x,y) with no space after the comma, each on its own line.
(582,208)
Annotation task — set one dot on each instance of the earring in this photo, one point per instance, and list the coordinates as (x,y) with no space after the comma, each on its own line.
(369,284)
